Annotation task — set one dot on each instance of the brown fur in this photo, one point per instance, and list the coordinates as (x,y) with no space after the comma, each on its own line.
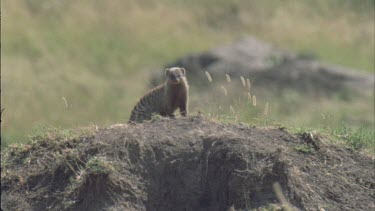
(164,99)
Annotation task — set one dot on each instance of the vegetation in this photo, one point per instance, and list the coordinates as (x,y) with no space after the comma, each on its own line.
(304,149)
(69,63)
(358,139)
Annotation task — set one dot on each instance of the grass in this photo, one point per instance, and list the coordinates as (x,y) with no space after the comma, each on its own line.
(49,135)
(56,142)
(98,56)
(343,118)
(358,139)
(304,149)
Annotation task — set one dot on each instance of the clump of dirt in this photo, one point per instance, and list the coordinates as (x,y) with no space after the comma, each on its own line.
(185,164)
(271,69)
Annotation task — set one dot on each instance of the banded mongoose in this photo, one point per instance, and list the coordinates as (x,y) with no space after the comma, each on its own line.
(164,99)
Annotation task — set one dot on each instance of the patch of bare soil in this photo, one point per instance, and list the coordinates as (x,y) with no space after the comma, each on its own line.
(185,164)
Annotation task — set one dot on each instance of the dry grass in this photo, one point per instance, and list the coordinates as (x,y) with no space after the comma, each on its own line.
(348,115)
(97,56)
(208,76)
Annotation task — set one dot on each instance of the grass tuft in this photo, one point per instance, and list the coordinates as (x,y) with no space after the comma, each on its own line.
(358,139)
(306,149)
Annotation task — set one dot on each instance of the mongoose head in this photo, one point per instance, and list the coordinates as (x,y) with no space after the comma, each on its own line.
(175,75)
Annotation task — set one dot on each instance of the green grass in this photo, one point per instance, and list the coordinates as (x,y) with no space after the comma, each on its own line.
(99,56)
(358,139)
(306,149)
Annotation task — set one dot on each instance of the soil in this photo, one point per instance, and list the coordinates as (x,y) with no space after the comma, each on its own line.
(186,164)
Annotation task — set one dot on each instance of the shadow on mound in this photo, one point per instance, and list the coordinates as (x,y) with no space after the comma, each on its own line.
(184,164)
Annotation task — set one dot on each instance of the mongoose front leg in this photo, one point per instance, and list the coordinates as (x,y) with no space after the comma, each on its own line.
(183,109)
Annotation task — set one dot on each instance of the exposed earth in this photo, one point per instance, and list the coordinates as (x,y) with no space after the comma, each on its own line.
(186,164)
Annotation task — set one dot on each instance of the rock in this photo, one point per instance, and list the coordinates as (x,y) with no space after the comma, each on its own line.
(272,69)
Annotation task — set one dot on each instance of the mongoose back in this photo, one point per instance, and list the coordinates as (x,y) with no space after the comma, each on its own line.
(164,99)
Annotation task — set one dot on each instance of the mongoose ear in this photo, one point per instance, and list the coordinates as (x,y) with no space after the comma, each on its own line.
(167,71)
(183,71)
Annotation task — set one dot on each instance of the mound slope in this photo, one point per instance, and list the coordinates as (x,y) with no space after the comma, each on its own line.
(185,164)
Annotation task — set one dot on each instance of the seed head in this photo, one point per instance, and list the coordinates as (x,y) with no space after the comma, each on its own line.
(224,90)
(254,100)
(208,76)
(243,81)
(228,77)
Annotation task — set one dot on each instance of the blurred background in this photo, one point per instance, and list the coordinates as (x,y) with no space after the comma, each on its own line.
(67,63)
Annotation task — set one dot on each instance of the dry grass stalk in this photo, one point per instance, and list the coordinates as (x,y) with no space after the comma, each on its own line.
(266,109)
(231,109)
(66,103)
(208,76)
(254,100)
(227,77)
(224,90)
(280,196)
(243,81)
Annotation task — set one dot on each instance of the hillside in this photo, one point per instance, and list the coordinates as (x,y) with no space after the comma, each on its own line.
(255,82)
(184,164)
(67,63)
(271,70)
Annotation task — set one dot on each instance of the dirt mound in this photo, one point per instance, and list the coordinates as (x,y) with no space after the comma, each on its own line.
(272,69)
(185,164)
